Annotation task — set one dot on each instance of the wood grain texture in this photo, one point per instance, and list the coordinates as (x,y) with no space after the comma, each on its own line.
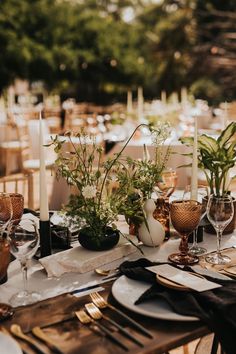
(56,317)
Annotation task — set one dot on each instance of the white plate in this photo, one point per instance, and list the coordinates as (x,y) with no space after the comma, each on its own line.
(8,345)
(126,291)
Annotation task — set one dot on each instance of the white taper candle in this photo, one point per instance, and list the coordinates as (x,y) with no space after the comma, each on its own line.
(140,104)
(43,197)
(129,102)
(194,175)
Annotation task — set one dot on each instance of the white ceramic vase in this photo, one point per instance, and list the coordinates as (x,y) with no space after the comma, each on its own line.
(153,235)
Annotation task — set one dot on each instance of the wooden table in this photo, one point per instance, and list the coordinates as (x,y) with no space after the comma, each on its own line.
(56,317)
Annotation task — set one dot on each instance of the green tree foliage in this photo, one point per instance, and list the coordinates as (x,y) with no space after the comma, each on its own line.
(86,46)
(69,45)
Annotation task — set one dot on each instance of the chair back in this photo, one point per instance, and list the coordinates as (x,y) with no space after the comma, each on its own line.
(19,183)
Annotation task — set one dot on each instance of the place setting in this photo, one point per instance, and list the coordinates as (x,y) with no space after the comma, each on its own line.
(117,177)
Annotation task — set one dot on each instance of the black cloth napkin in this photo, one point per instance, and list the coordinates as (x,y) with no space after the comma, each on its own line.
(217,307)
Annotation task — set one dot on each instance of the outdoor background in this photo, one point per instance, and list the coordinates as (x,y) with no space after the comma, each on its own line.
(95,50)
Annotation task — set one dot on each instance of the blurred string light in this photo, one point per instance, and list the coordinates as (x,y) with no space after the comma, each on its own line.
(113,63)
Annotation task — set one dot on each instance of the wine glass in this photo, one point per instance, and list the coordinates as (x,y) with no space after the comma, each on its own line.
(17,201)
(220,211)
(185,216)
(24,240)
(6,211)
(202,192)
(167,184)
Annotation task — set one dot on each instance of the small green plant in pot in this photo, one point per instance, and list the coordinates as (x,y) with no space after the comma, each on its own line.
(138,178)
(217,156)
(95,203)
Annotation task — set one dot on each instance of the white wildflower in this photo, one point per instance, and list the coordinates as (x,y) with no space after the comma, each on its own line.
(89,192)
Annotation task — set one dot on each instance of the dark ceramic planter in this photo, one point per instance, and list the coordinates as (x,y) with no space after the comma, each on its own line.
(229,228)
(108,240)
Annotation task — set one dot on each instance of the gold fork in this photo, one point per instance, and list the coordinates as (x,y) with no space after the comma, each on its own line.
(101,303)
(86,319)
(96,314)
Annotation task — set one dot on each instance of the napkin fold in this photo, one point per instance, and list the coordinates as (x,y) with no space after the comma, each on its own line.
(217,308)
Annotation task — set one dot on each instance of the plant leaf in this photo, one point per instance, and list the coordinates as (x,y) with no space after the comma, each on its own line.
(227,134)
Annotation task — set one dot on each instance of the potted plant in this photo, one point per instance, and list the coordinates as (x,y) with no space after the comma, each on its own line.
(217,156)
(95,202)
(137,180)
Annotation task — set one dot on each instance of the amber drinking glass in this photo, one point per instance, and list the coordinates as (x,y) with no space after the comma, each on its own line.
(202,191)
(17,201)
(5,211)
(185,216)
(168,183)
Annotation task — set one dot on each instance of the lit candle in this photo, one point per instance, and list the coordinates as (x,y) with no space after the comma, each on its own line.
(140,104)
(129,102)
(43,197)
(194,176)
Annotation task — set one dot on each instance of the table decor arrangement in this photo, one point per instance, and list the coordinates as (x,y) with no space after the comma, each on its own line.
(102,189)
(189,305)
(216,158)
(137,181)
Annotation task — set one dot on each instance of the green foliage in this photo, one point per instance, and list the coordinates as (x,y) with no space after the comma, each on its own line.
(216,157)
(86,48)
(138,178)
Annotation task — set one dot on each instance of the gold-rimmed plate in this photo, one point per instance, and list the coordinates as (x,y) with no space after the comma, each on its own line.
(231,270)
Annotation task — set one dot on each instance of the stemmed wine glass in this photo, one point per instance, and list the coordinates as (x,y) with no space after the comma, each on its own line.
(202,192)
(220,211)
(24,240)
(5,217)
(185,216)
(6,211)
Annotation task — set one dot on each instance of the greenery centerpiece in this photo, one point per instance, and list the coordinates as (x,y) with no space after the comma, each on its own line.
(138,178)
(96,201)
(216,157)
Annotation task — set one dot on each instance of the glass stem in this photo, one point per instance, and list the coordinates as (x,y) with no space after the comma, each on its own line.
(25,278)
(218,235)
(195,238)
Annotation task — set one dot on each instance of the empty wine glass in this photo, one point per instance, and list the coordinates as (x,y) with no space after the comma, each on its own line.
(185,216)
(24,240)
(202,192)
(220,211)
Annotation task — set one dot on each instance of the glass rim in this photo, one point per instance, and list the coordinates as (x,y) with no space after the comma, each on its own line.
(226,197)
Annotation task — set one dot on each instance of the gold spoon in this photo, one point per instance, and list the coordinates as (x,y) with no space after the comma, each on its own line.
(16,331)
(105,272)
(39,333)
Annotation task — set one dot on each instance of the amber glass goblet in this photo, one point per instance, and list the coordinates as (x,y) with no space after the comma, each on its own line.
(17,201)
(185,216)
